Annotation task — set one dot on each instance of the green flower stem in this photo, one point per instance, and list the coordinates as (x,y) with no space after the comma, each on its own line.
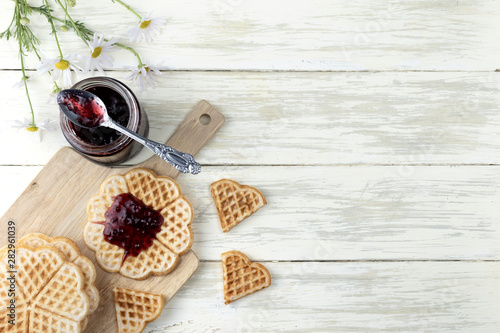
(25,79)
(59,20)
(133,51)
(39,59)
(36,52)
(49,18)
(77,30)
(130,9)
(82,35)
(25,5)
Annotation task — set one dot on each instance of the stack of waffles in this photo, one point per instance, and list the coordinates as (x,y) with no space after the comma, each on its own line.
(47,286)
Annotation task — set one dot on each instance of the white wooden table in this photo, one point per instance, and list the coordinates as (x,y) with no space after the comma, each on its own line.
(372,127)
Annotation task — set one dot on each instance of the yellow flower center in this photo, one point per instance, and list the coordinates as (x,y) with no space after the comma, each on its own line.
(97,52)
(32,128)
(145,24)
(62,64)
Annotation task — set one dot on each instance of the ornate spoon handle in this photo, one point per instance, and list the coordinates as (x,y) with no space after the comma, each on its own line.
(183,162)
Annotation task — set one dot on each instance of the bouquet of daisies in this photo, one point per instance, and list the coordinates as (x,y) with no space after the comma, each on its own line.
(96,58)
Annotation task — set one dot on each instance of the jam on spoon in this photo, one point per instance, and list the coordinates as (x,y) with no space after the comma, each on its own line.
(118,110)
(84,109)
(131,224)
(87,110)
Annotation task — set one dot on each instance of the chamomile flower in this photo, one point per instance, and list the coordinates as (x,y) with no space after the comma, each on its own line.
(99,56)
(47,125)
(60,67)
(143,75)
(147,28)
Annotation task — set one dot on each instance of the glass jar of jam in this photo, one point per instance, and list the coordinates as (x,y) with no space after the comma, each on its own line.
(102,144)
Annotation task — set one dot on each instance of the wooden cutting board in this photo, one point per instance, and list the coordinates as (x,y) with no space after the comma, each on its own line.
(55,204)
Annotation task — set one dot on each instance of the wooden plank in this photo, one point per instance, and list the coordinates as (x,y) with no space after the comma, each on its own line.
(356,213)
(345,213)
(305,118)
(296,35)
(344,297)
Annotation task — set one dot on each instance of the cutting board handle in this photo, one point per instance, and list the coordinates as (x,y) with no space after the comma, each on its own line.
(198,127)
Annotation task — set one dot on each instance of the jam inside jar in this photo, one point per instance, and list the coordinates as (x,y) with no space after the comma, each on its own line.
(106,145)
(117,110)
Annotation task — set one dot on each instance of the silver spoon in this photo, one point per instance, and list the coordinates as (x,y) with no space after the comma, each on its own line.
(87,110)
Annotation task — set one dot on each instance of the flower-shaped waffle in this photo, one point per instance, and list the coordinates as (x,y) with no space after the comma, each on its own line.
(139,224)
(49,293)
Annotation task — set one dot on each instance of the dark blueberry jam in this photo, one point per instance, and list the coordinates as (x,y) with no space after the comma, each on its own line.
(118,111)
(131,225)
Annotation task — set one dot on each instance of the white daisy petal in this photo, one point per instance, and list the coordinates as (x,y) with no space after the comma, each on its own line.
(46,125)
(56,74)
(18,84)
(46,65)
(106,60)
(67,79)
(147,28)
(99,69)
(52,99)
(18,124)
(98,57)
(100,40)
(60,67)
(111,43)
(147,74)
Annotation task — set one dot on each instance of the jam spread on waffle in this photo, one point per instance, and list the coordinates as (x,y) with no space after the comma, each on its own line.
(131,224)
(117,110)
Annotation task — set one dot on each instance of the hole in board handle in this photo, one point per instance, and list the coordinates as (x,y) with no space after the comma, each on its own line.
(205,119)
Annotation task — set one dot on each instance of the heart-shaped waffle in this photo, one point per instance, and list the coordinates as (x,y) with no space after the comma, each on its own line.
(135,308)
(242,277)
(73,254)
(158,194)
(50,291)
(64,292)
(235,202)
